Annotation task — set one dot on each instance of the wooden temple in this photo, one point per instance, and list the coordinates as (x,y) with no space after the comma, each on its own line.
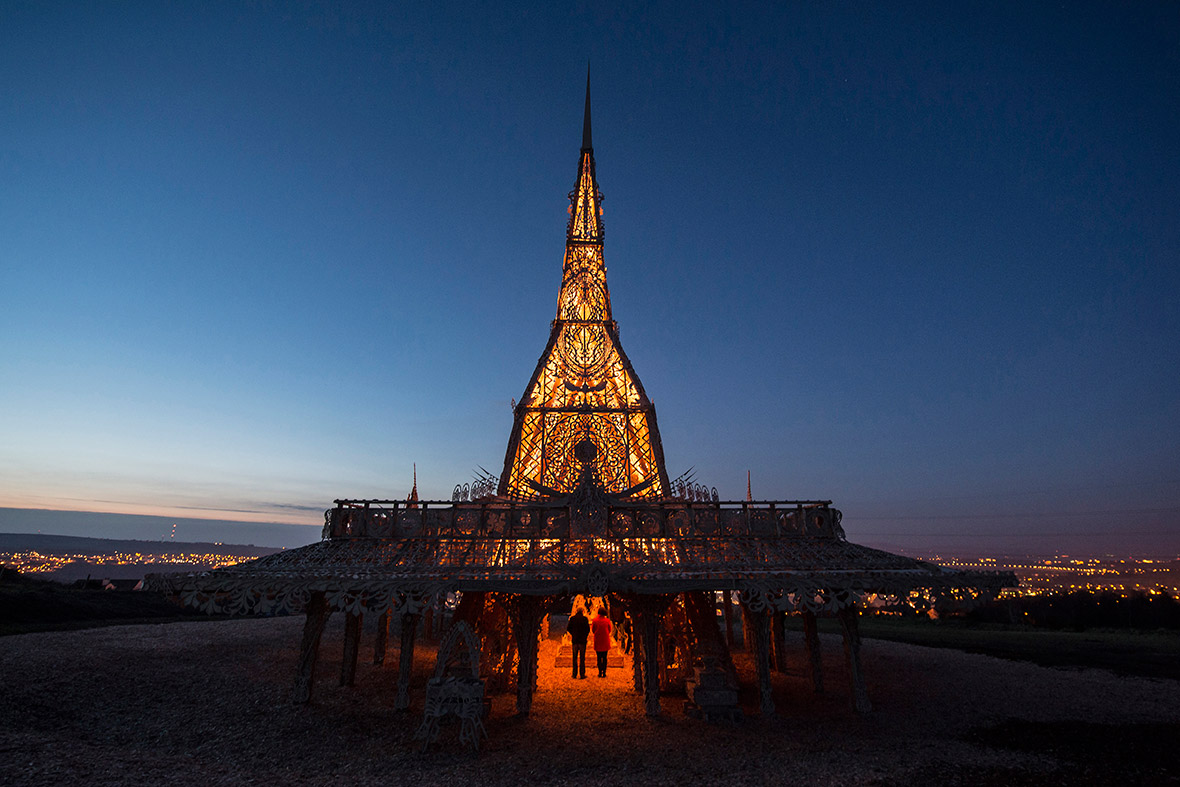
(584,506)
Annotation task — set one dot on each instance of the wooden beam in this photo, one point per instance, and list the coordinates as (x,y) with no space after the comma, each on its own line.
(313,628)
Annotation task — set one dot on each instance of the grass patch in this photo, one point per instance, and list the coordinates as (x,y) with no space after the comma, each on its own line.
(1153,654)
(31,605)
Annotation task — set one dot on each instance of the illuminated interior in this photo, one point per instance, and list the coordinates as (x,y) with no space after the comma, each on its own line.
(584,408)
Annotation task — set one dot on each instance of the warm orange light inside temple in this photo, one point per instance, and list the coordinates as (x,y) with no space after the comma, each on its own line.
(584,392)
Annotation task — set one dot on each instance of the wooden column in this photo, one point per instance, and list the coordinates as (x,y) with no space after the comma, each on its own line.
(352,646)
(814,657)
(405,665)
(636,646)
(382,638)
(526,612)
(428,625)
(748,638)
(708,641)
(651,621)
(313,628)
(727,613)
(664,658)
(778,635)
(759,622)
(848,622)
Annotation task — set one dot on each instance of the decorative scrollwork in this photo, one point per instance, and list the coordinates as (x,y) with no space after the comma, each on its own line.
(455,689)
(597,582)
(483,487)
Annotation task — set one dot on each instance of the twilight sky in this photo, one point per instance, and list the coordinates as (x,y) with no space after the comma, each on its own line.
(922,262)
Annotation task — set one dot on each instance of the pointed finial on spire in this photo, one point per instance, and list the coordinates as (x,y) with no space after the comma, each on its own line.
(412,498)
(587,144)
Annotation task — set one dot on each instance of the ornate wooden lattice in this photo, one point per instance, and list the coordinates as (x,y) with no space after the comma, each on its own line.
(584,409)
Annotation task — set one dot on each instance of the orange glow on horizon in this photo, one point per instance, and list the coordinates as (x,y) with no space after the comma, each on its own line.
(155,509)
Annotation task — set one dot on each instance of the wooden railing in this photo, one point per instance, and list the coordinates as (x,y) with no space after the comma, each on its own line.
(396,519)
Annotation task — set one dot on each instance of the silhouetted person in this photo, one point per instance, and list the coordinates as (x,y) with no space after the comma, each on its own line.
(601,626)
(579,629)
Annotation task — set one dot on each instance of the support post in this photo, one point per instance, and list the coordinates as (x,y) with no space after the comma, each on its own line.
(779,637)
(814,657)
(381,640)
(428,625)
(860,694)
(637,650)
(708,641)
(526,612)
(352,646)
(405,665)
(760,623)
(727,612)
(652,617)
(666,654)
(313,628)
(748,638)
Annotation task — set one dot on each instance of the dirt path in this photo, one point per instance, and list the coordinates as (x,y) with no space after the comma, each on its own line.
(594,701)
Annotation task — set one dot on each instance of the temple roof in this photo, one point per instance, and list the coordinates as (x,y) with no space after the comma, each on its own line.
(559,566)
(785,555)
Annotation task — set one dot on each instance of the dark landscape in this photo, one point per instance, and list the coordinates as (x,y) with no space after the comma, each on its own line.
(206,702)
(158,693)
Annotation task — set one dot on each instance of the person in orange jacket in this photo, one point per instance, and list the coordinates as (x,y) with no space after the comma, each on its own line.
(601,627)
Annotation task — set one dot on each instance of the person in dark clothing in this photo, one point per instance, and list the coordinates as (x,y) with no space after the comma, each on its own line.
(602,627)
(579,629)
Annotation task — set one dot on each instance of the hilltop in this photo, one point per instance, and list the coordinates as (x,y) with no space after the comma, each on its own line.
(48,543)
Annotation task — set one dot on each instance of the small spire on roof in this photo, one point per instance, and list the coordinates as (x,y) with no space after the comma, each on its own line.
(587,144)
(413,496)
(749,494)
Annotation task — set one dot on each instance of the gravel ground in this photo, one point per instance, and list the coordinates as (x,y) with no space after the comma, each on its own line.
(205,703)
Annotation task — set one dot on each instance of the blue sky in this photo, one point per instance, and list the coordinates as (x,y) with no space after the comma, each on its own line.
(921,261)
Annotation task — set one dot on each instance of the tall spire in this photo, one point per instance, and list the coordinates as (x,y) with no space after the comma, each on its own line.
(412,498)
(587,143)
(584,414)
(586,200)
